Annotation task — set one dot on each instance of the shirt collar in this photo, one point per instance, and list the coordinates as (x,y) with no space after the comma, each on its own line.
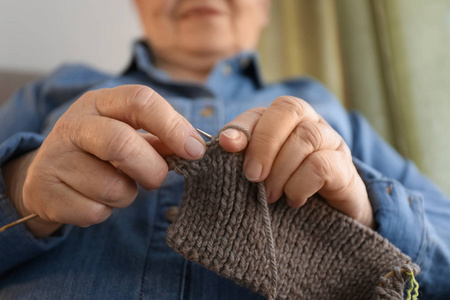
(245,63)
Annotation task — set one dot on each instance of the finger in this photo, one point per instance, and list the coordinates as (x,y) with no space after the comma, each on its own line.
(143,108)
(233,140)
(315,174)
(61,204)
(157,144)
(304,140)
(271,132)
(96,179)
(121,145)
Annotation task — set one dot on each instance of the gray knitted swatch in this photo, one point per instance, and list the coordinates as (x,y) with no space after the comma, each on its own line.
(314,252)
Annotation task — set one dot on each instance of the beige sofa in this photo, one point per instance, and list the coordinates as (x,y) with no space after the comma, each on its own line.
(10,81)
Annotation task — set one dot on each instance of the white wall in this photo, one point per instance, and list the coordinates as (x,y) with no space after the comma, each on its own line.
(39,35)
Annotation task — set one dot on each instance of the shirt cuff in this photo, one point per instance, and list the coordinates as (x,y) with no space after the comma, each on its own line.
(17,244)
(398,212)
(16,145)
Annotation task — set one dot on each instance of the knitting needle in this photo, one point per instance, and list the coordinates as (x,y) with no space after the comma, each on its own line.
(205,134)
(18,222)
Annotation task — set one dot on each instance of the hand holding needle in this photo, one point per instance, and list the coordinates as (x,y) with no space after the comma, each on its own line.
(27,218)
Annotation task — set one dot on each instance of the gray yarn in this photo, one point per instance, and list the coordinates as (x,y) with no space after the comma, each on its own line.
(268,230)
(314,252)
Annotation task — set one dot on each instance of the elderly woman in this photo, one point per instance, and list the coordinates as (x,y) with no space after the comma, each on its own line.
(79,143)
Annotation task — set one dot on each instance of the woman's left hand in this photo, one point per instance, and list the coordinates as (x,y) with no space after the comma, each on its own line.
(297,152)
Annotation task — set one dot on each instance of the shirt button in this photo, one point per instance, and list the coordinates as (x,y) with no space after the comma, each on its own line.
(226,69)
(207,111)
(171,214)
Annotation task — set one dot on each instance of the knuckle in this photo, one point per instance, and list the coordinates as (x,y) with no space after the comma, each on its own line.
(66,133)
(143,101)
(96,97)
(347,181)
(291,106)
(307,133)
(62,125)
(144,94)
(122,144)
(320,165)
(265,141)
(95,215)
(120,192)
(345,149)
(94,94)
(147,102)
(89,96)
(174,127)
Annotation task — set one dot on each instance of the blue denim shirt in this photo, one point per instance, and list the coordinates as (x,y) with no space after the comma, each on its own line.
(126,257)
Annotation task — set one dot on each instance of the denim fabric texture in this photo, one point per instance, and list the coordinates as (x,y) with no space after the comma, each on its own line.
(126,257)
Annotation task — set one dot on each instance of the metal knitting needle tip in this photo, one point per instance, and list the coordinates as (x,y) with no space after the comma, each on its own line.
(205,134)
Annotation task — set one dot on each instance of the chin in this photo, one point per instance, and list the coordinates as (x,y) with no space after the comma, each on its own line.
(211,46)
(208,37)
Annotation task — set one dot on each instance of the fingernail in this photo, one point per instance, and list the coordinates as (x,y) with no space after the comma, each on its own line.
(253,170)
(231,133)
(193,147)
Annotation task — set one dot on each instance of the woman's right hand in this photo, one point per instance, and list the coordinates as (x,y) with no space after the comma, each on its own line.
(94,156)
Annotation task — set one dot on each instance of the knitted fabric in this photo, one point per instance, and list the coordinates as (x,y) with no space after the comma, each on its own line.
(314,252)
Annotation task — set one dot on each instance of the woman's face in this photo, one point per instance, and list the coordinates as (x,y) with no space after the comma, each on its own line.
(223,27)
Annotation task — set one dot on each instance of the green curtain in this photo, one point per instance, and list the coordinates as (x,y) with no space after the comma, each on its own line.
(389,59)
(303,39)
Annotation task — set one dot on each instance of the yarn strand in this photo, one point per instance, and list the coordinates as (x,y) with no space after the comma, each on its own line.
(262,198)
(414,285)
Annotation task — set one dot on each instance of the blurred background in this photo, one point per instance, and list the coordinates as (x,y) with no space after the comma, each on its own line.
(389,59)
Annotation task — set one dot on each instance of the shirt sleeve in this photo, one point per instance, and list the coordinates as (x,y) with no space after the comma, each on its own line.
(21,121)
(410,211)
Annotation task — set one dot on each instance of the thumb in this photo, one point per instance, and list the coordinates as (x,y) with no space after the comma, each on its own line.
(234,140)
